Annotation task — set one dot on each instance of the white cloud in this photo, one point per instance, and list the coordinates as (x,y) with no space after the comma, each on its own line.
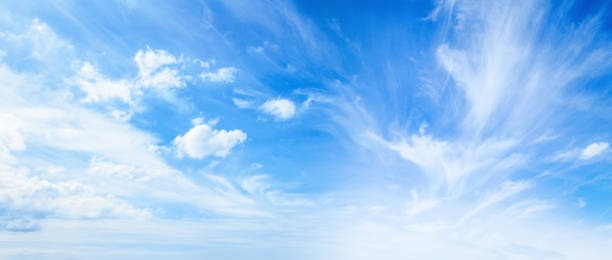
(565,155)
(223,75)
(40,41)
(588,152)
(255,49)
(581,203)
(100,166)
(451,164)
(124,165)
(282,109)
(507,190)
(100,88)
(21,191)
(417,206)
(154,71)
(27,190)
(201,141)
(241,103)
(11,138)
(154,74)
(593,150)
(255,184)
(508,84)
(166,78)
(149,61)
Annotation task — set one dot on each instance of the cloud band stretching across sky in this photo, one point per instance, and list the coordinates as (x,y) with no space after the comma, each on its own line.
(229,129)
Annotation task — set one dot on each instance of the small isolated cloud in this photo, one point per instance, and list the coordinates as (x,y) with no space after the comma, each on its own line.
(593,150)
(223,75)
(241,103)
(581,203)
(255,49)
(280,108)
(201,141)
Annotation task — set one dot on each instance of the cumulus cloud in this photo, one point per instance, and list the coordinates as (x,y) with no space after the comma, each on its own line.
(99,88)
(149,60)
(23,192)
(223,75)
(155,74)
(153,70)
(593,150)
(280,108)
(202,140)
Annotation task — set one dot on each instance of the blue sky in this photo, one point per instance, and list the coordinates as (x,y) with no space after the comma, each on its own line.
(305,129)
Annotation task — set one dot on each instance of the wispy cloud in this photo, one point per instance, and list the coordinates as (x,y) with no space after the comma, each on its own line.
(466,129)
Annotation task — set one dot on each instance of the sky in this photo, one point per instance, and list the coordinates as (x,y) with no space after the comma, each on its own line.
(235,129)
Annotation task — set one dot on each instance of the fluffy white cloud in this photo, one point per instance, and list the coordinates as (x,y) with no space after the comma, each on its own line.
(282,109)
(24,192)
(153,75)
(165,78)
(154,71)
(223,75)
(201,141)
(150,60)
(593,150)
(99,88)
